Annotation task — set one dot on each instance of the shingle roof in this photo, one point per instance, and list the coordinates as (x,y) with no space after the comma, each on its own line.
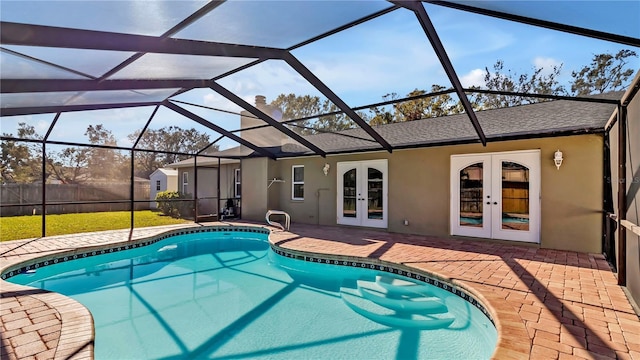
(533,120)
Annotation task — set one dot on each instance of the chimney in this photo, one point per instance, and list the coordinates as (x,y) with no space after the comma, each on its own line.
(265,136)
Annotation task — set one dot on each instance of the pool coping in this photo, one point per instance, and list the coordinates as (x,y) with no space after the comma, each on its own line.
(78,333)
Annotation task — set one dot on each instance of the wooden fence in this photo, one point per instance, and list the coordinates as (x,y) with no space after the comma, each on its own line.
(19,199)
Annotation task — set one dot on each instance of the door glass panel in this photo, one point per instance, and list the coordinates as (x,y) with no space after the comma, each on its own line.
(374,194)
(515,196)
(349,194)
(471,195)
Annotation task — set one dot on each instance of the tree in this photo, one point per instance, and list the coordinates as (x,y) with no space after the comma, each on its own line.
(536,83)
(169,140)
(21,162)
(606,72)
(75,165)
(302,106)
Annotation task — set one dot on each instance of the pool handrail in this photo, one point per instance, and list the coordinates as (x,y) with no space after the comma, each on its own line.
(287,219)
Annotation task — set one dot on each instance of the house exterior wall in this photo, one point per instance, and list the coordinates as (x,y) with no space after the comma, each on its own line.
(419,189)
(255,173)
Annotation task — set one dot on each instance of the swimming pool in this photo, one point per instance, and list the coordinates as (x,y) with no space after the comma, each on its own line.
(225,294)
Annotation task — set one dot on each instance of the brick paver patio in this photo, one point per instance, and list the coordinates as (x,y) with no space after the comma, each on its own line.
(550,304)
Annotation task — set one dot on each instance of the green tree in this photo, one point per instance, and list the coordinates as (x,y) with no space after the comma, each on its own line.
(537,82)
(169,140)
(21,162)
(79,164)
(421,108)
(105,163)
(302,106)
(606,72)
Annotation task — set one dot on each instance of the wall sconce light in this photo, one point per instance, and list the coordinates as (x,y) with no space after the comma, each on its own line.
(557,158)
(326,168)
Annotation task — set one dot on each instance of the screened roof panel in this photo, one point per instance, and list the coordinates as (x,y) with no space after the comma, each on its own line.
(73,59)
(136,17)
(115,124)
(619,17)
(271,79)
(279,24)
(389,54)
(38,123)
(16,66)
(120,96)
(170,66)
(18,100)
(472,52)
(168,121)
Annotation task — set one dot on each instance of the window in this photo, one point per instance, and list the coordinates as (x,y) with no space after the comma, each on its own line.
(158,188)
(297,182)
(185,182)
(237,181)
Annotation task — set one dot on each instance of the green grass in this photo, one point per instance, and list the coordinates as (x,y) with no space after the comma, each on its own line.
(24,227)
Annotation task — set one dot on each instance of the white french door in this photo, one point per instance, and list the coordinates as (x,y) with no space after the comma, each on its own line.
(496,195)
(362,193)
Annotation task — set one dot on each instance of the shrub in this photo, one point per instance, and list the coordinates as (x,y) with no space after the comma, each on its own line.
(168,203)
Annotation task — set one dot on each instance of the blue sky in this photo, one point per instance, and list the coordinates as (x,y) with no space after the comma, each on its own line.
(387,54)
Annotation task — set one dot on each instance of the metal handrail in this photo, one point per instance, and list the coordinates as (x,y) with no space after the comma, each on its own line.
(287,219)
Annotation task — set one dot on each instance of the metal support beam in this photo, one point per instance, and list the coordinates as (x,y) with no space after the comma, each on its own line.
(52,36)
(329,94)
(217,129)
(31,110)
(434,39)
(195,189)
(10,86)
(622,195)
(266,118)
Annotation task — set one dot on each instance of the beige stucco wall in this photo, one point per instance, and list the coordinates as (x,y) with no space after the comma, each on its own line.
(254,188)
(419,189)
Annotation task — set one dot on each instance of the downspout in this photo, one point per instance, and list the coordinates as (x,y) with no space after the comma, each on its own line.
(622,194)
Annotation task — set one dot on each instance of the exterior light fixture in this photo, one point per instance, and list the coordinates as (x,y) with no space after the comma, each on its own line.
(557,158)
(325,169)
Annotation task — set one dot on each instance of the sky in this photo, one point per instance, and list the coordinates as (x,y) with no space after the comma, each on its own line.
(390,54)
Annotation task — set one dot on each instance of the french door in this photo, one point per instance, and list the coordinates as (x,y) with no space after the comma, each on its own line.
(362,193)
(496,195)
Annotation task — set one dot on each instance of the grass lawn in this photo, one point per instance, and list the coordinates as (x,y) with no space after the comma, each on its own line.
(24,227)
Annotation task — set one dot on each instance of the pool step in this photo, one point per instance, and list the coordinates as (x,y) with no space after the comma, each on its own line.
(396,286)
(397,303)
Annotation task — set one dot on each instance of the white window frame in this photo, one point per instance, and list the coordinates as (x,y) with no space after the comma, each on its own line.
(294,183)
(185,182)
(158,185)
(237,180)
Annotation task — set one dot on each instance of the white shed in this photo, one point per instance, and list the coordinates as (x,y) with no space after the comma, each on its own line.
(162,179)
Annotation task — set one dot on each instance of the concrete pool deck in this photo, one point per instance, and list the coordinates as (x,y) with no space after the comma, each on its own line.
(549,304)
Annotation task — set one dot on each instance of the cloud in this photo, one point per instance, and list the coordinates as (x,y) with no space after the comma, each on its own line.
(546,63)
(473,78)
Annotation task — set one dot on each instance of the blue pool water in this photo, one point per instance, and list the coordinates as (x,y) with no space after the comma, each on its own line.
(228,295)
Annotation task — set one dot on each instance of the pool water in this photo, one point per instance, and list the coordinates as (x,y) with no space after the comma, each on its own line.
(228,295)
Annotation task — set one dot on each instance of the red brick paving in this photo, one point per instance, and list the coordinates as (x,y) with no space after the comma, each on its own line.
(550,304)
